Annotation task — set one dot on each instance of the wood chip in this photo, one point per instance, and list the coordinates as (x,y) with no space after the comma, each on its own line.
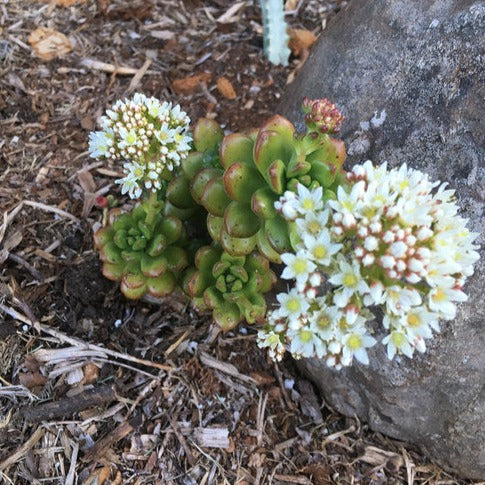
(293,479)
(231,15)
(225,367)
(377,457)
(63,3)
(17,455)
(212,437)
(301,40)
(188,85)
(225,87)
(49,44)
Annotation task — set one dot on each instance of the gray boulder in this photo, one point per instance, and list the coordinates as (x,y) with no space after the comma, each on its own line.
(408,75)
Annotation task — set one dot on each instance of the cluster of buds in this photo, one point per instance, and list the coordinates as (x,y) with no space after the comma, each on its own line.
(150,136)
(391,240)
(322,116)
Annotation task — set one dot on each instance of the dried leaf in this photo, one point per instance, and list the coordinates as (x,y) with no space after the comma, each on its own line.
(31,380)
(49,44)
(188,85)
(301,40)
(226,88)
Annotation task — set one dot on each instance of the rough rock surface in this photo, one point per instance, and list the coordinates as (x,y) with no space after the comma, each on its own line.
(408,75)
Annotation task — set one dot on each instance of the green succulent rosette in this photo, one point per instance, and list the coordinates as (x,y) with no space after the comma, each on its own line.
(231,286)
(238,178)
(145,250)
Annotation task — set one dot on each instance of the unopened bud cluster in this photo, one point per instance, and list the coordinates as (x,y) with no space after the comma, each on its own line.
(322,116)
(394,240)
(150,136)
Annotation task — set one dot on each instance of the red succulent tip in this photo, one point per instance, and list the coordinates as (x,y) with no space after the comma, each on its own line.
(102,201)
(322,116)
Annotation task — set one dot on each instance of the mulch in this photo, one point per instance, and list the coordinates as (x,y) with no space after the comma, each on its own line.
(95,389)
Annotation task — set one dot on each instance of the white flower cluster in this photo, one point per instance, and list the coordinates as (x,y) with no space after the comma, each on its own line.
(150,136)
(388,240)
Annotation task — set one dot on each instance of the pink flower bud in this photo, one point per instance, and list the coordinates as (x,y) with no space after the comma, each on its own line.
(413,278)
(387,261)
(321,116)
(368,259)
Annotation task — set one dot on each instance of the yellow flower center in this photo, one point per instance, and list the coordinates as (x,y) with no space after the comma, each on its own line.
(440,295)
(323,322)
(413,320)
(308,204)
(398,338)
(354,342)
(320,252)
(314,227)
(305,336)
(293,305)
(348,205)
(349,280)
(138,172)
(299,266)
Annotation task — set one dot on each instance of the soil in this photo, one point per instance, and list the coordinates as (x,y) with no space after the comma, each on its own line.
(170,375)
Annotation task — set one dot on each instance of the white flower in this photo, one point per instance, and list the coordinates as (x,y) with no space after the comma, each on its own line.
(286,205)
(398,342)
(399,300)
(320,248)
(355,344)
(305,343)
(324,321)
(292,305)
(298,266)
(128,137)
(419,322)
(309,201)
(348,203)
(375,295)
(99,143)
(271,340)
(349,281)
(165,134)
(313,223)
(440,300)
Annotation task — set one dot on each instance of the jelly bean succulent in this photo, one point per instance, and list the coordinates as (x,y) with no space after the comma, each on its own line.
(392,240)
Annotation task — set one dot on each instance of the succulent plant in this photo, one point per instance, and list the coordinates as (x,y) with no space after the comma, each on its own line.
(145,250)
(239,185)
(231,286)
